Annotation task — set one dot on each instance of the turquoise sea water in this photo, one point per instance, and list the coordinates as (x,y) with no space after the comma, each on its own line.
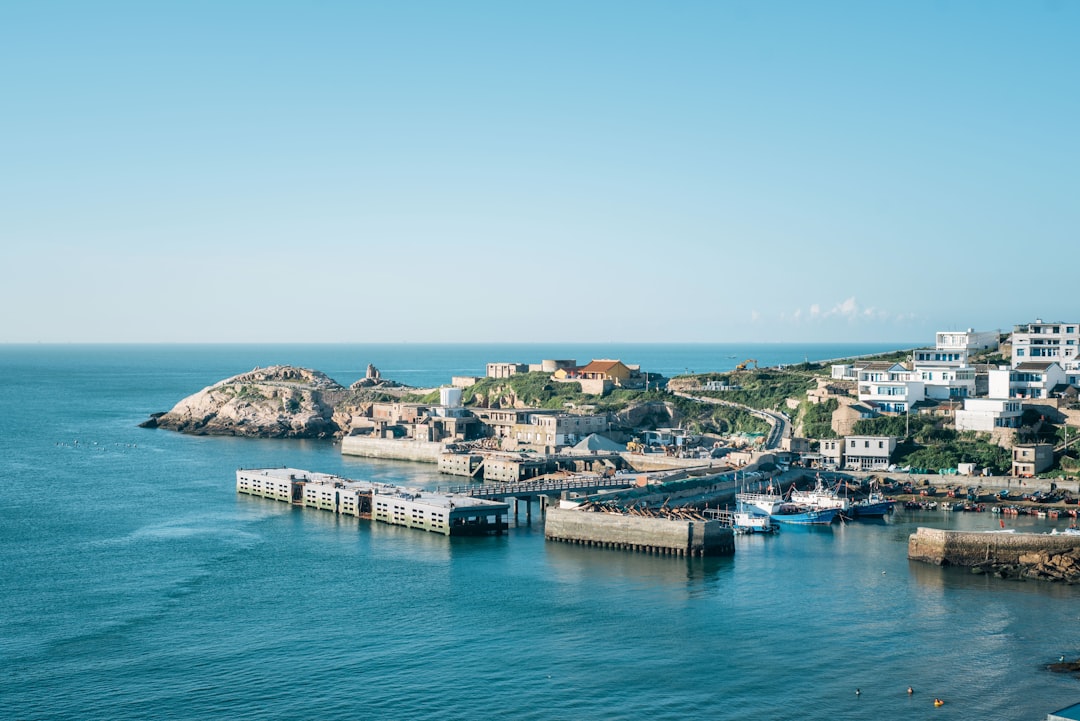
(136,583)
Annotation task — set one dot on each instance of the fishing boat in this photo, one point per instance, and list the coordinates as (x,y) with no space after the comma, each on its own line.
(820,496)
(873,506)
(781,510)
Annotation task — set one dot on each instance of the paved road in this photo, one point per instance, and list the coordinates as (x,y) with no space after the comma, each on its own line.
(779,423)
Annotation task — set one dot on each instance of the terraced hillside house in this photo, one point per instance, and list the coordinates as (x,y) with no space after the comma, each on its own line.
(1032,379)
(986,415)
(889,387)
(1031,458)
(1041,341)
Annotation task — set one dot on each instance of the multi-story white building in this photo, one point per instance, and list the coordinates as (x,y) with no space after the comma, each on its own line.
(891,387)
(988,414)
(1026,380)
(945,369)
(1040,341)
(969,340)
(945,372)
(868,453)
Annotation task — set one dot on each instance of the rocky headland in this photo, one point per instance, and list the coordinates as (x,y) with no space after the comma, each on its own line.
(275,402)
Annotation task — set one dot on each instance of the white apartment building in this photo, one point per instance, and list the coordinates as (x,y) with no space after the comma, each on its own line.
(891,387)
(844,372)
(969,340)
(1041,341)
(986,415)
(1026,380)
(868,453)
(942,383)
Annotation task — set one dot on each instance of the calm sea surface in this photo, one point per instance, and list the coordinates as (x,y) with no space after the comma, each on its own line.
(136,583)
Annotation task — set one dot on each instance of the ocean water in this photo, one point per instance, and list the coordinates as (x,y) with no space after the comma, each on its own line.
(136,584)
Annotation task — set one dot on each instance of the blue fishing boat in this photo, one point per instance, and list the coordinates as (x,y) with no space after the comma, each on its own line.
(780,510)
(873,506)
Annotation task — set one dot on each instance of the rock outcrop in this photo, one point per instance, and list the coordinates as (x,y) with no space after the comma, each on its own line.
(1041,566)
(275,402)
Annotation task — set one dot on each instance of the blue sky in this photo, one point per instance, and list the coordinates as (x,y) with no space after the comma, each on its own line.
(558,171)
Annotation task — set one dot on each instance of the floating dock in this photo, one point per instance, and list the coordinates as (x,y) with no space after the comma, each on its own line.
(450,514)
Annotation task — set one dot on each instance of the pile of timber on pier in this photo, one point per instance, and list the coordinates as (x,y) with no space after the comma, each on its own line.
(669,513)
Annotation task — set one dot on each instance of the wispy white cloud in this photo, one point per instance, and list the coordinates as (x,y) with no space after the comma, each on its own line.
(846,308)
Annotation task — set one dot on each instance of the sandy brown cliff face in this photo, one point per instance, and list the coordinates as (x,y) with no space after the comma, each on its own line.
(274,402)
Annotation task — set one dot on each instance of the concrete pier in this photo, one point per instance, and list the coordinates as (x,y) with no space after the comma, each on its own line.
(636,533)
(445,513)
(960,548)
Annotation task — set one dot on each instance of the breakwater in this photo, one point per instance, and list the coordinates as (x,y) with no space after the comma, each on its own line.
(392,449)
(636,533)
(960,548)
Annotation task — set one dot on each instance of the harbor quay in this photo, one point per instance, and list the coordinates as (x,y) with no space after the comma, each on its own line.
(449,514)
(456,513)
(968,548)
(623,531)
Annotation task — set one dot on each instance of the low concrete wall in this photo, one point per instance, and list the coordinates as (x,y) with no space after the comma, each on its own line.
(388,448)
(636,533)
(963,548)
(661,462)
(989,483)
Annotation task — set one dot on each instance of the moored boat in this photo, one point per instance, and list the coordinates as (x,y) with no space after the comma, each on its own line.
(781,510)
(873,506)
(820,496)
(746,522)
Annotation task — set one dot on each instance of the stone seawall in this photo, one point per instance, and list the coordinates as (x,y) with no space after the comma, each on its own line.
(960,548)
(388,448)
(636,533)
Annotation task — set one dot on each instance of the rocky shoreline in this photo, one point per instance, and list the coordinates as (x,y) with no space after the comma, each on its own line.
(1061,567)
(275,402)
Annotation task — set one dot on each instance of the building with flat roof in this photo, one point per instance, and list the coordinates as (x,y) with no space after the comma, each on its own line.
(868,453)
(1039,341)
(1031,458)
(987,415)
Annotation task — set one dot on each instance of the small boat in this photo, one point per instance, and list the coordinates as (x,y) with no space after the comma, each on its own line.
(745,522)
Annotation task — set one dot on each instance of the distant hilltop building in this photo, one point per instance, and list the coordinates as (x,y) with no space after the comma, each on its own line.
(969,340)
(596,377)
(505,370)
